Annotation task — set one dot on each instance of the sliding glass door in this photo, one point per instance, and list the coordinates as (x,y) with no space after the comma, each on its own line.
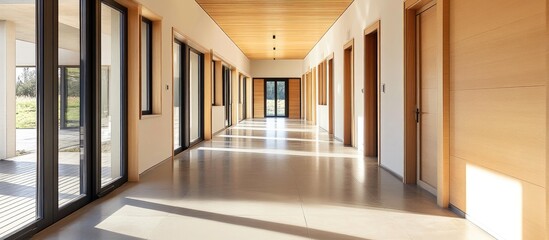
(188,109)
(20,164)
(112,91)
(62,114)
(196,99)
(178,71)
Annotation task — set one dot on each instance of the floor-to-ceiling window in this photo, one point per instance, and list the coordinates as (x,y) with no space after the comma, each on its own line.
(48,147)
(177,97)
(188,96)
(196,98)
(18,116)
(70,157)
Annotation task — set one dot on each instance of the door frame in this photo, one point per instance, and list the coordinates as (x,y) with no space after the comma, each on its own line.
(330,63)
(410,106)
(185,101)
(349,136)
(375,28)
(286,89)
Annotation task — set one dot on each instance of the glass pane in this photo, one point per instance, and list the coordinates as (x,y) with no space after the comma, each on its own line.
(111,84)
(145,66)
(70,157)
(270,98)
(281,98)
(177,143)
(18,116)
(195,125)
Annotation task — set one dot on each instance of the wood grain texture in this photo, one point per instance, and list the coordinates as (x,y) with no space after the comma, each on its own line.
(348,94)
(371,89)
(442,118)
(298,24)
(410,103)
(208,78)
(218,80)
(294,98)
(428,81)
(234,95)
(314,93)
(134,102)
(331,96)
(259,98)
(309,83)
(498,101)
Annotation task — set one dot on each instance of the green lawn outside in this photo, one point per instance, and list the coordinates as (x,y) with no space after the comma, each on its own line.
(25,111)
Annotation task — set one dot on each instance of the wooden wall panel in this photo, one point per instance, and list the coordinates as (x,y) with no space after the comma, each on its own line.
(308,97)
(498,114)
(208,78)
(294,101)
(259,98)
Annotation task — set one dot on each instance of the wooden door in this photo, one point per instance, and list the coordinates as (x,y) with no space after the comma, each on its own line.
(427,101)
(348,96)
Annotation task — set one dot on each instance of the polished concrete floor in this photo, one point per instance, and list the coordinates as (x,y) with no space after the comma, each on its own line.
(266,179)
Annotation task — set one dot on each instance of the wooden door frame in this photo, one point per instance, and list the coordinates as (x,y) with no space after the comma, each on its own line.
(374,28)
(443,108)
(330,61)
(349,46)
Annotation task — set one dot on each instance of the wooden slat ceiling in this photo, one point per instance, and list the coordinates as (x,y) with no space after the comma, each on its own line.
(297,24)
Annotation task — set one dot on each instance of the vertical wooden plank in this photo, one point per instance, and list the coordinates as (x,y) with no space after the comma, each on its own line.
(294,99)
(259,98)
(249,98)
(218,78)
(547,122)
(371,92)
(208,78)
(314,103)
(347,129)
(234,96)
(410,127)
(443,139)
(134,101)
(331,96)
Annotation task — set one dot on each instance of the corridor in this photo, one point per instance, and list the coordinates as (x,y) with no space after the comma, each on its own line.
(266,179)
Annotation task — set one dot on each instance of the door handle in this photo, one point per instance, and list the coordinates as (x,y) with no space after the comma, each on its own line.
(417,115)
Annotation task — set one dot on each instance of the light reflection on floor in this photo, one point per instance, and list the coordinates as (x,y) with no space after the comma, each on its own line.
(255,187)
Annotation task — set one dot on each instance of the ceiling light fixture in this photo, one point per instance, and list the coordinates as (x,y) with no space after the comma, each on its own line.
(274,47)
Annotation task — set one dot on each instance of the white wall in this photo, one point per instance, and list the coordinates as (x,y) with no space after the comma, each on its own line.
(188,18)
(351,25)
(218,118)
(276,68)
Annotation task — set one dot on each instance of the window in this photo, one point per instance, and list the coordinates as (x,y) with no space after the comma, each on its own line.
(146,66)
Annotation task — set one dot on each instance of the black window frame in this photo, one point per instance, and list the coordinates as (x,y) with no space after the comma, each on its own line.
(47,68)
(149,66)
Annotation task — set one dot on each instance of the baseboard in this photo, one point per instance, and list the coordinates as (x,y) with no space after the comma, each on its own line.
(154,167)
(457,211)
(391,172)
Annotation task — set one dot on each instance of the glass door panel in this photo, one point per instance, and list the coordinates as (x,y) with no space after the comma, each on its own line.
(111,90)
(18,116)
(177,103)
(270,99)
(280,98)
(195,97)
(70,154)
